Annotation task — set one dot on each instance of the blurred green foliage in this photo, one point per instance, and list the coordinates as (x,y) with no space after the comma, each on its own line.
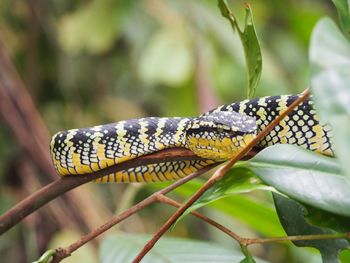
(93,62)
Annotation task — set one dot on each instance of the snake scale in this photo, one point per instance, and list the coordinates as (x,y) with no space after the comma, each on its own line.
(216,136)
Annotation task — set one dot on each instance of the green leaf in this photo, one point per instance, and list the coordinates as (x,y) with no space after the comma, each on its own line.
(124,248)
(344,14)
(250,42)
(322,218)
(292,218)
(345,256)
(330,83)
(239,180)
(247,210)
(243,208)
(303,175)
(236,181)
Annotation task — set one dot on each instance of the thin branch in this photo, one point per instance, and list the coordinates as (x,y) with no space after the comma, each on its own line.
(166,200)
(62,253)
(170,154)
(217,176)
(250,241)
(62,185)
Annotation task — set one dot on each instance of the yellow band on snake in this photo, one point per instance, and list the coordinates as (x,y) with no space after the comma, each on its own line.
(216,136)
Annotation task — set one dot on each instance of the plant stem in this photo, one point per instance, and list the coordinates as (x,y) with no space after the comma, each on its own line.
(62,253)
(250,241)
(62,185)
(217,176)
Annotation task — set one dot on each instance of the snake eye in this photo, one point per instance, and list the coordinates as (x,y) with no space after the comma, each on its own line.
(218,136)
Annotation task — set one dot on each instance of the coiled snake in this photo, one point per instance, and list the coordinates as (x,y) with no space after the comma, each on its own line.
(215,136)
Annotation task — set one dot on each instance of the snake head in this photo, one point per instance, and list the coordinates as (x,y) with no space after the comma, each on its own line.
(219,135)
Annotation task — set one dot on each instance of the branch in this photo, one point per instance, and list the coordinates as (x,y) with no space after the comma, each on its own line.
(19,112)
(62,253)
(250,241)
(217,176)
(62,185)
(166,200)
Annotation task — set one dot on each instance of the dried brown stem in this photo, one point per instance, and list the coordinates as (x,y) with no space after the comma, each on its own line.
(217,176)
(62,185)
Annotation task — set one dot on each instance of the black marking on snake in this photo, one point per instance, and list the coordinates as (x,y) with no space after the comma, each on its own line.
(300,128)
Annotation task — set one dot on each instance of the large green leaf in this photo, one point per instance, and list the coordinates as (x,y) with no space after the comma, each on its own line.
(124,248)
(305,176)
(236,181)
(250,44)
(241,207)
(322,218)
(239,180)
(330,83)
(247,209)
(292,218)
(344,14)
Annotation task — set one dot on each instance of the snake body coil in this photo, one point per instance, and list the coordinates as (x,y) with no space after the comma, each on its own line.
(216,136)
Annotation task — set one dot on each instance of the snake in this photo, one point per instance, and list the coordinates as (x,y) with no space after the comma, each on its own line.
(215,136)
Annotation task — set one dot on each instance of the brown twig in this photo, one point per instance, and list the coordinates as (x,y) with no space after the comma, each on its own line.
(166,200)
(160,197)
(62,253)
(62,185)
(217,176)
(250,241)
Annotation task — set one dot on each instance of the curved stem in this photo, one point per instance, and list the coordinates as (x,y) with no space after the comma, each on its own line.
(166,200)
(62,185)
(217,176)
(62,253)
(250,241)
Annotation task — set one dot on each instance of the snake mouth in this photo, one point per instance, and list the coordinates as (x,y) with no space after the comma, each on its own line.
(217,148)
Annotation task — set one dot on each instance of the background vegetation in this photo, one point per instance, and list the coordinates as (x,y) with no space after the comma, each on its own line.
(92,62)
